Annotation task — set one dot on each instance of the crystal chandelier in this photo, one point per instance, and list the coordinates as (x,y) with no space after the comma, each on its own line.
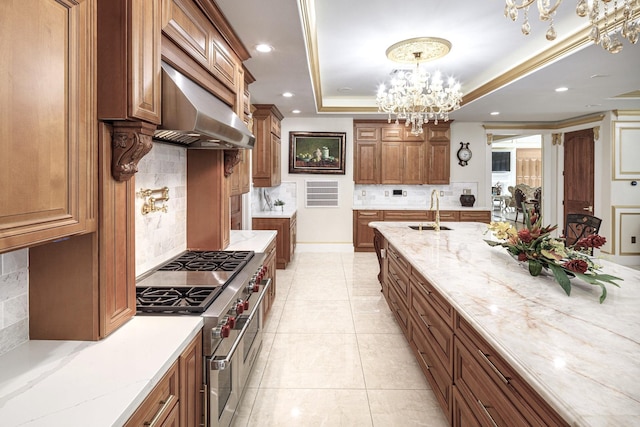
(417,96)
(598,11)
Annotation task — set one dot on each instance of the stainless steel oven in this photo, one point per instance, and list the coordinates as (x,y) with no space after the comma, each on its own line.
(230,365)
(227,290)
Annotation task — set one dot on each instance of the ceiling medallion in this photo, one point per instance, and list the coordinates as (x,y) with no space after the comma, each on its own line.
(416,96)
(598,12)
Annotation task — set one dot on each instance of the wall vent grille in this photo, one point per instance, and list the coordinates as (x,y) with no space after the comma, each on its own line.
(321,194)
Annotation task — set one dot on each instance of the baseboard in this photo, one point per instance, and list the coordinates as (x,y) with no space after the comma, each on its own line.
(324,247)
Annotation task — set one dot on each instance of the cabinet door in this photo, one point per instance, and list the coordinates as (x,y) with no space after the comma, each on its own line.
(129,60)
(439,163)
(48,121)
(392,162)
(283,238)
(366,158)
(414,164)
(160,403)
(276,163)
(187,27)
(362,233)
(191,384)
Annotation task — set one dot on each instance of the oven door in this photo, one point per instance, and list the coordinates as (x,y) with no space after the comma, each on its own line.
(230,365)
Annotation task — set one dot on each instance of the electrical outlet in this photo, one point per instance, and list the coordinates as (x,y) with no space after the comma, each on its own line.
(404,193)
(442,194)
(466,191)
(386,193)
(364,193)
(633,239)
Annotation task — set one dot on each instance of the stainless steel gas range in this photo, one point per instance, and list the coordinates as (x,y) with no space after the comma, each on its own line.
(226,288)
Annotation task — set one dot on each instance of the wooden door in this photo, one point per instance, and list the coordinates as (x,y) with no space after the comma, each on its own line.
(579,154)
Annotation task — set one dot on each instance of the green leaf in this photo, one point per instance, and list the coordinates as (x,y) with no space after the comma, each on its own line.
(561,278)
(534,267)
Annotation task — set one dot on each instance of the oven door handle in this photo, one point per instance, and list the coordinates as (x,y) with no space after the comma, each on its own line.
(220,364)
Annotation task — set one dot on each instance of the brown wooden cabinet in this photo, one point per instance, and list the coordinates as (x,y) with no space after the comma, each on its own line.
(129,60)
(389,154)
(362,233)
(474,385)
(270,263)
(191,384)
(177,399)
(439,153)
(267,168)
(48,122)
(96,271)
(285,239)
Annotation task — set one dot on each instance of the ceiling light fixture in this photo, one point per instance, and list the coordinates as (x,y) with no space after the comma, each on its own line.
(495,113)
(561,89)
(287,94)
(597,11)
(295,111)
(264,48)
(416,96)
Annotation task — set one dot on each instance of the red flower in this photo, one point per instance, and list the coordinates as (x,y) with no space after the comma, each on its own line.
(591,241)
(577,265)
(525,235)
(522,256)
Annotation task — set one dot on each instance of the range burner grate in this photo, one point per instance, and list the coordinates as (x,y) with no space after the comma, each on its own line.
(175,300)
(209,261)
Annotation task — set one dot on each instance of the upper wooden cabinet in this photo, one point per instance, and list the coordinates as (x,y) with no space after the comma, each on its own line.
(266,152)
(48,121)
(388,154)
(129,60)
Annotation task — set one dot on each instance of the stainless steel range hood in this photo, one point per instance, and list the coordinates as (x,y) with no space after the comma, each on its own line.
(195,118)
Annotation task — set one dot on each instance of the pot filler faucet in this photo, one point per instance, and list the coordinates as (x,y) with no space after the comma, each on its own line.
(435,193)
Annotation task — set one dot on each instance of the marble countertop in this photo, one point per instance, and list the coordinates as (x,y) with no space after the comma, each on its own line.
(416,208)
(90,383)
(579,355)
(288,212)
(251,240)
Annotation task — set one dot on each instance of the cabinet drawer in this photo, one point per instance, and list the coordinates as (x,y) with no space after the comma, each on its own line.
(160,403)
(399,310)
(438,335)
(424,289)
(398,273)
(501,376)
(451,216)
(406,215)
(437,375)
(392,134)
(475,216)
(367,133)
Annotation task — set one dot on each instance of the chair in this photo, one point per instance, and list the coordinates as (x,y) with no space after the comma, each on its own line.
(578,226)
(521,199)
(537,199)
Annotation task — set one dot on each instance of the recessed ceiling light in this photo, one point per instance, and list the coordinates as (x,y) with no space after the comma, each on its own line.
(287,94)
(296,111)
(495,113)
(597,76)
(264,48)
(562,89)
(345,89)
(593,105)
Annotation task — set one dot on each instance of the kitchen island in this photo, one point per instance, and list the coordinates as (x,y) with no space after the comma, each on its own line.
(578,356)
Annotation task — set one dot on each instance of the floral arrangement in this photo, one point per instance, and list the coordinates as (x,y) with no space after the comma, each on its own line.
(533,244)
(278,202)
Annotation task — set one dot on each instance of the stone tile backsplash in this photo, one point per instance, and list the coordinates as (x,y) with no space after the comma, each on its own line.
(286,191)
(161,235)
(417,196)
(14,299)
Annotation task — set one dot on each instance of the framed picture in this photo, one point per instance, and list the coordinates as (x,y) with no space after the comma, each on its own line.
(317,152)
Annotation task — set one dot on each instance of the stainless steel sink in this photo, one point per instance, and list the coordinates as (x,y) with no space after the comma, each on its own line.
(429,227)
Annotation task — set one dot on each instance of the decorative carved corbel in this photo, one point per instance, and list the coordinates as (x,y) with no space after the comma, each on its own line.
(131,142)
(231,158)
(596,133)
(556,139)
(489,138)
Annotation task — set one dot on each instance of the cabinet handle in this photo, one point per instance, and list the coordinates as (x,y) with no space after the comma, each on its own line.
(426,291)
(424,360)
(484,409)
(166,404)
(423,318)
(493,367)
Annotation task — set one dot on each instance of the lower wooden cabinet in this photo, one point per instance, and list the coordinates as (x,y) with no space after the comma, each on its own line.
(473,384)
(177,399)
(363,234)
(285,239)
(270,263)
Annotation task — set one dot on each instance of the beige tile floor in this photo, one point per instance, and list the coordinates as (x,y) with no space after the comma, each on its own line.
(333,354)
